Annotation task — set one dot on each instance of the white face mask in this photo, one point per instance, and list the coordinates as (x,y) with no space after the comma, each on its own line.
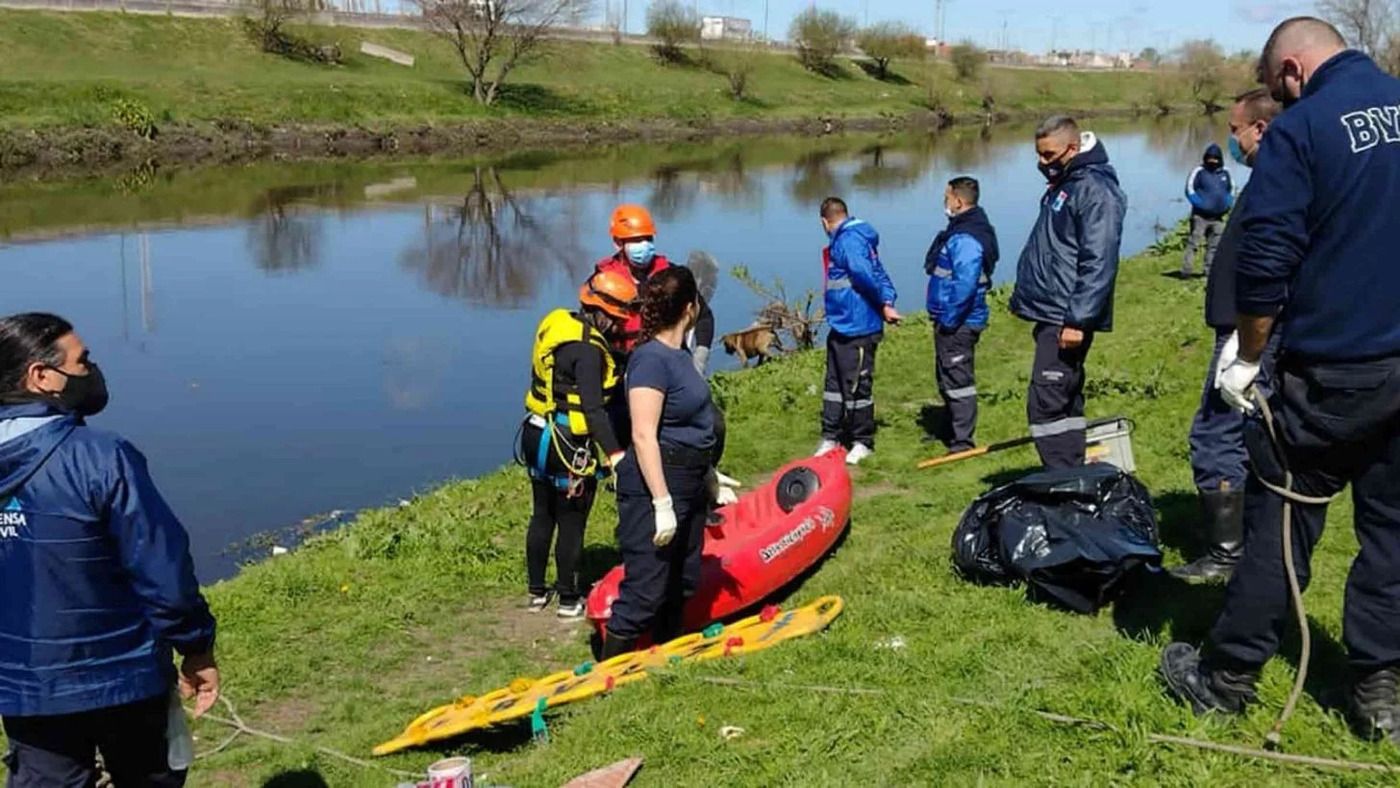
(949,212)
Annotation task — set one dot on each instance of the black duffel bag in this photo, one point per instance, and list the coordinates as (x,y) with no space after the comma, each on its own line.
(1073,536)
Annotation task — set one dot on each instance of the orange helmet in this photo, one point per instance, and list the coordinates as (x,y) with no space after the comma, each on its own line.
(613,292)
(632,221)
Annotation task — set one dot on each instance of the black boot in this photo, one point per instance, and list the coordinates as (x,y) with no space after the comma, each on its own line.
(1223,512)
(1203,689)
(1374,712)
(614,646)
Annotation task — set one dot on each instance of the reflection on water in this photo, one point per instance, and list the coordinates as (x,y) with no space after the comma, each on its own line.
(284,340)
(493,248)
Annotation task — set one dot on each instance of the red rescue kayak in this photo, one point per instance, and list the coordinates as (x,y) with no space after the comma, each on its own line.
(759,544)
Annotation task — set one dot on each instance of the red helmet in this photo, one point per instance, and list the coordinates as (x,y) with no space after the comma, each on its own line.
(610,291)
(632,221)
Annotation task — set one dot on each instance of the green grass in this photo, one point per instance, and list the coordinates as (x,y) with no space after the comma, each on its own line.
(69,69)
(354,634)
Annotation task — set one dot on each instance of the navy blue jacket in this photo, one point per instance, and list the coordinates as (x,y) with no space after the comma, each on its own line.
(1210,192)
(1220,283)
(95,570)
(857,286)
(1323,217)
(1069,266)
(960,264)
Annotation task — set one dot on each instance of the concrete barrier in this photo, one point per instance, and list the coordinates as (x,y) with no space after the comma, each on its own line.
(392,55)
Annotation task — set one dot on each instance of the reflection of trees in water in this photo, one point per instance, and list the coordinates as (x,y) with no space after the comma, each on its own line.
(672,192)
(965,152)
(883,169)
(284,236)
(676,187)
(1185,140)
(813,177)
(493,248)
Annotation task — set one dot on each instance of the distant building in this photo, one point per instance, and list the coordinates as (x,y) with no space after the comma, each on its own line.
(725,28)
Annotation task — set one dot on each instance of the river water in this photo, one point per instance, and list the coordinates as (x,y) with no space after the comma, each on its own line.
(287,340)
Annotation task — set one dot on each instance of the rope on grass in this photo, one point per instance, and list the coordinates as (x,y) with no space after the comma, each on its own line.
(240,727)
(1064,719)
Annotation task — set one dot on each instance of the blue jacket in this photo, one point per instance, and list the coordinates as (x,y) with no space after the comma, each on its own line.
(857,287)
(1068,268)
(1210,192)
(95,570)
(1323,215)
(960,264)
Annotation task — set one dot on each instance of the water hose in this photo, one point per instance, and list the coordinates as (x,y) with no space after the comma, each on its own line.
(1275,737)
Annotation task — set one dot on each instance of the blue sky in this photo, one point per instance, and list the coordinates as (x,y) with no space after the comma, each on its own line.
(1034,24)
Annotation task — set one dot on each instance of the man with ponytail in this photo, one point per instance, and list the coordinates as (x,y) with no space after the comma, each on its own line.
(97,579)
(662,494)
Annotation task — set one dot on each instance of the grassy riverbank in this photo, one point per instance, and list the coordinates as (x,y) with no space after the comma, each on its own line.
(206,89)
(343,642)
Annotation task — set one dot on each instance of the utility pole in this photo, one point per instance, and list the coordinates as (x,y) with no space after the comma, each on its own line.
(766,39)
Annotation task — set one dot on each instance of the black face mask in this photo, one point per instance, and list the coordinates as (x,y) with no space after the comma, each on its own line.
(85,395)
(1052,171)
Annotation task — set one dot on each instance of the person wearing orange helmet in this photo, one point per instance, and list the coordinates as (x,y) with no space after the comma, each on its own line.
(567,440)
(634,240)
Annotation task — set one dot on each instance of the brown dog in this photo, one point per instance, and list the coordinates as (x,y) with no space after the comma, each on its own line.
(758,342)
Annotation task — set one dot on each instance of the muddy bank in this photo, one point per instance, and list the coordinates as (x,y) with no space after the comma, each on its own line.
(46,153)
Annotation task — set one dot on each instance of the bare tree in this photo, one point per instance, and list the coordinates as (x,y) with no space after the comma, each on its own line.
(1365,23)
(819,37)
(1204,66)
(493,37)
(800,317)
(674,25)
(888,40)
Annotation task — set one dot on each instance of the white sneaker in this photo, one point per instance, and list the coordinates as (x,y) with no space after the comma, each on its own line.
(539,602)
(572,611)
(857,453)
(826,447)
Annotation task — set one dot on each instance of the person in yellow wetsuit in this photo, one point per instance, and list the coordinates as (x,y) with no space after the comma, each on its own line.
(567,440)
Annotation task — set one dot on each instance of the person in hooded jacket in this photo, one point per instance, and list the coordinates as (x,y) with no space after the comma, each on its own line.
(960,264)
(1211,192)
(859,300)
(97,578)
(1065,280)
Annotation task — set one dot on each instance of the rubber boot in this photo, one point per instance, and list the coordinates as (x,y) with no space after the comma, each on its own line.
(614,646)
(1374,711)
(1223,512)
(1204,689)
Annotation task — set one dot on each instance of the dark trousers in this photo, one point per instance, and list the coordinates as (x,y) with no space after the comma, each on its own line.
(555,511)
(1339,423)
(657,581)
(848,404)
(1218,458)
(61,751)
(955,357)
(1055,402)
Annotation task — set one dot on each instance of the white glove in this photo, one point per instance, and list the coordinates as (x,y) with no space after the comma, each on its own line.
(1229,354)
(727,494)
(665,521)
(1235,384)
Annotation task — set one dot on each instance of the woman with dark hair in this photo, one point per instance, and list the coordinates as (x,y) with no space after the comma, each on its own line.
(662,495)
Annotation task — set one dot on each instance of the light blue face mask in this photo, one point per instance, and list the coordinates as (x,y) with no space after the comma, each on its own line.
(640,253)
(1237,153)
